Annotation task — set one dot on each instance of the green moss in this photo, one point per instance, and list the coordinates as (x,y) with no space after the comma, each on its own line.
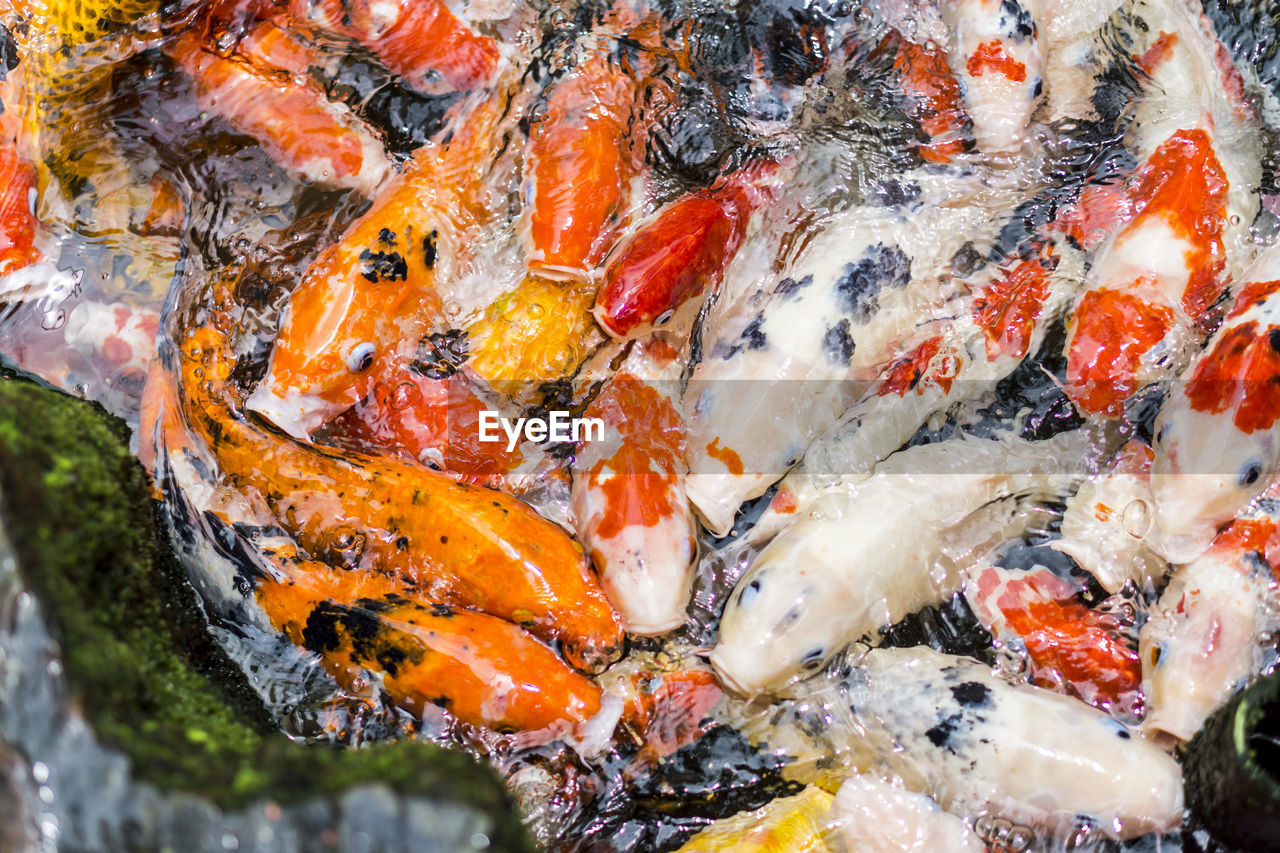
(135,646)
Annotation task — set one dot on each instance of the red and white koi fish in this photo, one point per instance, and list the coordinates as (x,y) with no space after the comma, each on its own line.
(318,139)
(870,554)
(875,816)
(1029,754)
(1187,210)
(1201,640)
(1107,520)
(1217,438)
(1071,648)
(996,54)
(629,496)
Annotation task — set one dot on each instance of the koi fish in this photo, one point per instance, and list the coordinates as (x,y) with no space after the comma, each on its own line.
(675,257)
(1150,291)
(994,50)
(374,290)
(874,816)
(483,670)
(974,740)
(629,496)
(1217,443)
(421,40)
(579,164)
(463,545)
(930,94)
(1201,639)
(1071,648)
(301,129)
(871,554)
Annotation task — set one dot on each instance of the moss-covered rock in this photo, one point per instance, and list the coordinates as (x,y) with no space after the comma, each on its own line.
(150,679)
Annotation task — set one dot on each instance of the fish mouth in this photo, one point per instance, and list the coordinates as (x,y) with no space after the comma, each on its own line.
(727,678)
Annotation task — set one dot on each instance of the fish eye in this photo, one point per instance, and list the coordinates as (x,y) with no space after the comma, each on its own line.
(748,592)
(812,660)
(360,358)
(1161,433)
(1251,473)
(664,317)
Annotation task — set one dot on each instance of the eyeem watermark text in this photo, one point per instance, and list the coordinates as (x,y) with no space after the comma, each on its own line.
(557,426)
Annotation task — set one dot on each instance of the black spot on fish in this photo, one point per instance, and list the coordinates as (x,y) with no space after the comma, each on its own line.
(387,237)
(789,286)
(440,701)
(838,344)
(442,610)
(429,253)
(858,290)
(402,543)
(444,540)
(752,337)
(383,266)
(1273,338)
(440,354)
(390,658)
(940,735)
(971,694)
(1017,21)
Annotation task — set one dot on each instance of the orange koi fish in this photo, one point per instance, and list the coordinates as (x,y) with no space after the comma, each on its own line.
(461,545)
(580,161)
(1071,648)
(482,670)
(376,285)
(300,128)
(629,496)
(1217,438)
(677,255)
(421,40)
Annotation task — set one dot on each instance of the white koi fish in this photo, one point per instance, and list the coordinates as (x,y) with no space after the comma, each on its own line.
(1030,754)
(871,554)
(628,492)
(1201,640)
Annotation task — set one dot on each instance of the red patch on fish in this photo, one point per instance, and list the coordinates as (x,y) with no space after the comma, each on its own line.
(638,481)
(991,57)
(1252,295)
(1071,648)
(1260,536)
(1242,372)
(933,96)
(912,370)
(1008,308)
(1184,185)
(784,502)
(1100,209)
(17,223)
(1158,53)
(1112,331)
(727,456)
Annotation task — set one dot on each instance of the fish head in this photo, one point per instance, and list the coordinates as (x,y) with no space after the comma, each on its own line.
(777,624)
(1205,471)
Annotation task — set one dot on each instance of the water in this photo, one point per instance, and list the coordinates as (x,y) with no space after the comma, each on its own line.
(148,193)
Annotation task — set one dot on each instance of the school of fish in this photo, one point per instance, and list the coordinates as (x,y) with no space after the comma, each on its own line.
(786,266)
